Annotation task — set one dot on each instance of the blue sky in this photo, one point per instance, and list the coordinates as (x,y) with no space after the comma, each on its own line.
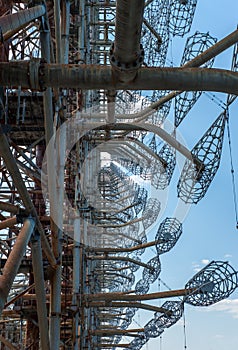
(209,230)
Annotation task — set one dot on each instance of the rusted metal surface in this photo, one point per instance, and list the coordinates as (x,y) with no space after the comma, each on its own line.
(12,167)
(11,24)
(123,297)
(37,263)
(8,222)
(100,77)
(13,262)
(126,53)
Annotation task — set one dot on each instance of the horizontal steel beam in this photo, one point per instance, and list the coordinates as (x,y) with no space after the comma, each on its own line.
(118,304)
(123,250)
(36,76)
(120,258)
(138,297)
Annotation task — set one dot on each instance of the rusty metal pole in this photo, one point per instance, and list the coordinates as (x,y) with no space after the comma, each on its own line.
(13,262)
(37,263)
(65,31)
(118,304)
(11,208)
(55,300)
(8,222)
(76,282)
(126,54)
(11,24)
(138,297)
(57,19)
(90,77)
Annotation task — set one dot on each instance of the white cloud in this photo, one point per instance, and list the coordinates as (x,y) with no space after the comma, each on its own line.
(230,306)
(205,261)
(218,336)
(198,266)
(227,256)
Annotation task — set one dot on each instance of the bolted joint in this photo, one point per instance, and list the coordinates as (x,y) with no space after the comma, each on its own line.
(36,73)
(126,66)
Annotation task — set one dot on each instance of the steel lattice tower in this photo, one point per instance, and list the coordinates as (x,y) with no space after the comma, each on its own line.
(85,92)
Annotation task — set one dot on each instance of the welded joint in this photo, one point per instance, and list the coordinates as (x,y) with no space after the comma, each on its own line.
(128,66)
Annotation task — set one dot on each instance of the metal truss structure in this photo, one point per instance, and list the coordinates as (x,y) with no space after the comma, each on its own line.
(84,95)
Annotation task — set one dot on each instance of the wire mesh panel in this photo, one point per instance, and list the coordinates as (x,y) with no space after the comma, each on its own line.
(214,282)
(181,16)
(195,180)
(167,235)
(195,45)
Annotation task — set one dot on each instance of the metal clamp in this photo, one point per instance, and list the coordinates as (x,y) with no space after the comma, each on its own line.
(35,73)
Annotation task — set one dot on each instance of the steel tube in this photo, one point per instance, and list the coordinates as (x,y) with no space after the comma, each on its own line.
(11,208)
(65,21)
(120,258)
(129,18)
(99,77)
(108,346)
(57,19)
(118,304)
(137,297)
(123,250)
(14,260)
(76,280)
(55,301)
(37,263)
(8,222)
(11,24)
(106,332)
(187,79)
